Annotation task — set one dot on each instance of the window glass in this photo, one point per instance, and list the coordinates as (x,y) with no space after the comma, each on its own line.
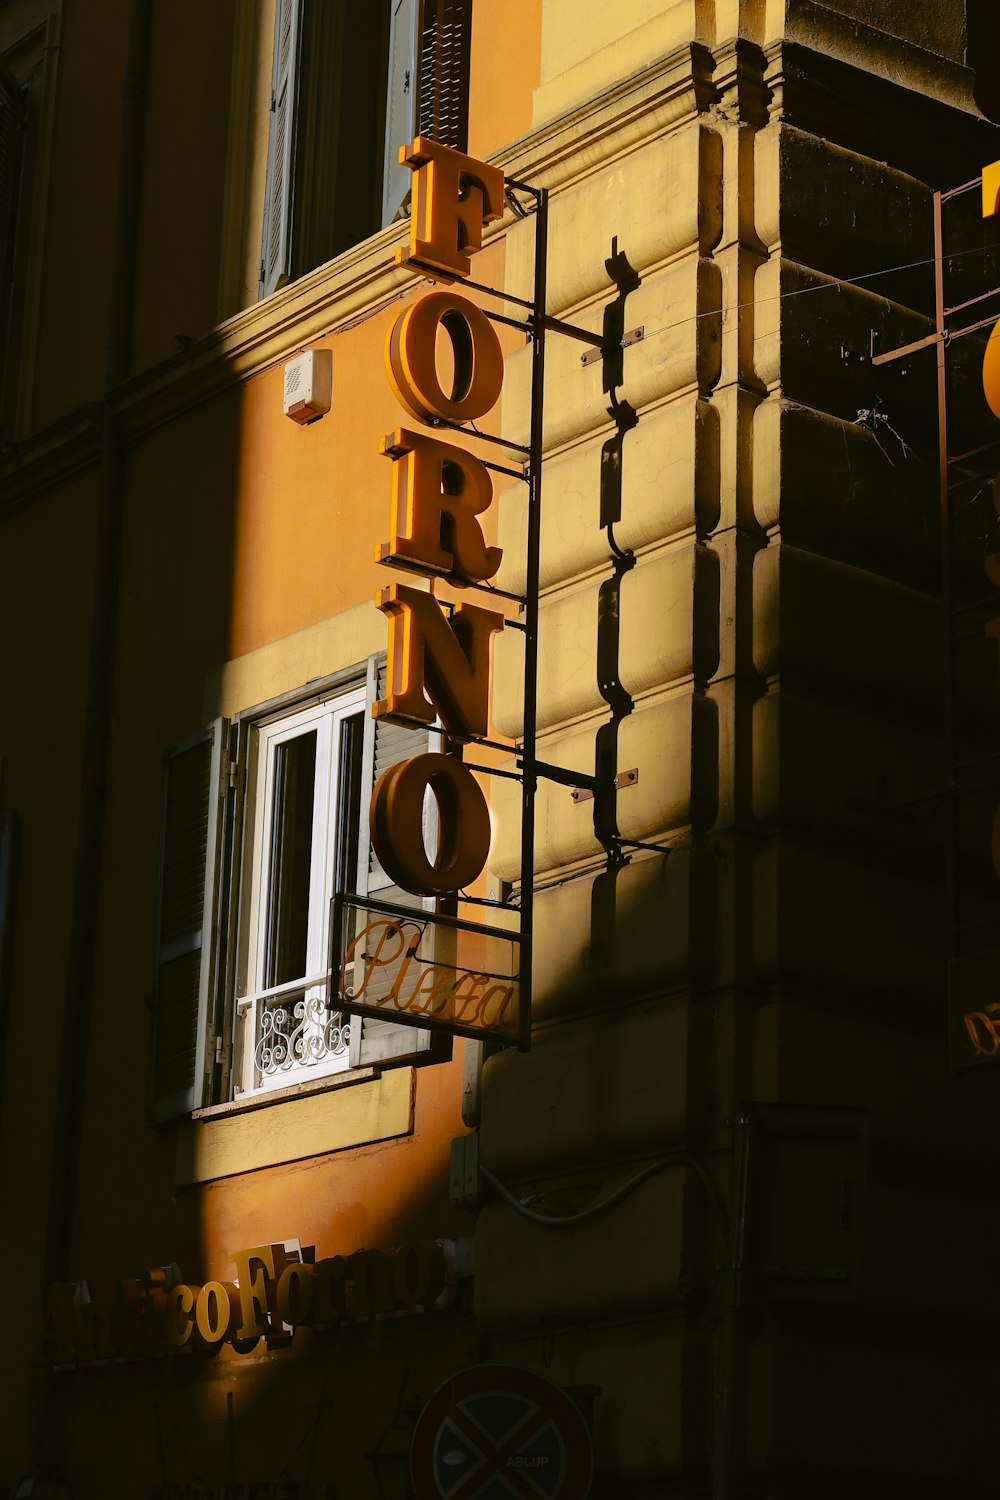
(293,795)
(302,820)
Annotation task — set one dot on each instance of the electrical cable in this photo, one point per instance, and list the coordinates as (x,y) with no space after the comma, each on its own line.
(556,1220)
(579,1218)
(833,283)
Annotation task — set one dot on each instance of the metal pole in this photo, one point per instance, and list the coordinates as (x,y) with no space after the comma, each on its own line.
(946,582)
(729,1448)
(529,784)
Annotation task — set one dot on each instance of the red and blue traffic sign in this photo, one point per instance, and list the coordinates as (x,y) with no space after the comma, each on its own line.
(496,1432)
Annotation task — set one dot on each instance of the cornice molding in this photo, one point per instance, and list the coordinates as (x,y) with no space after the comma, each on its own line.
(67,447)
(811,24)
(672,90)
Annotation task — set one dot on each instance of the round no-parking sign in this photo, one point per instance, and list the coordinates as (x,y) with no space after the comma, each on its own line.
(499,1433)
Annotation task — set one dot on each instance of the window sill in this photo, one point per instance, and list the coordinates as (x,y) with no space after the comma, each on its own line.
(307,1120)
(266,1097)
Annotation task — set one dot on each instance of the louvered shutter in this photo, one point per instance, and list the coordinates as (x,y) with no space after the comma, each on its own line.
(13,100)
(386,1042)
(276,248)
(400,108)
(8,837)
(187,920)
(443,94)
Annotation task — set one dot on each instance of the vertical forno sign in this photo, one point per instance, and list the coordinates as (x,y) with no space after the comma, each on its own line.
(409,962)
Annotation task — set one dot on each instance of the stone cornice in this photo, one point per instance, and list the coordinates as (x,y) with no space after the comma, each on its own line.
(809,23)
(328,299)
(51,457)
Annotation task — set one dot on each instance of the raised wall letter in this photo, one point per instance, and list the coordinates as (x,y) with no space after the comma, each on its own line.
(216,1311)
(254,1271)
(453,197)
(397,824)
(450,659)
(438,490)
(411,359)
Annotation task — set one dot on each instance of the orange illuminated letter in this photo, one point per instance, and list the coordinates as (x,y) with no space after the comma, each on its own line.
(397,824)
(411,359)
(438,490)
(453,197)
(451,659)
(991,371)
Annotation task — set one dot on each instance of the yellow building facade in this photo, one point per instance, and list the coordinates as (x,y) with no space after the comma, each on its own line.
(724,1228)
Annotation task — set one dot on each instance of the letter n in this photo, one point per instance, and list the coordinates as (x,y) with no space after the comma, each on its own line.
(449,660)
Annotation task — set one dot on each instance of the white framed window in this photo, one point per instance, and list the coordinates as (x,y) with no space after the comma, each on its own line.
(263,820)
(304,807)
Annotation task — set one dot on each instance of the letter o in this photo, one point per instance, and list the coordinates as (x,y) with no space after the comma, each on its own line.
(214,1312)
(411,361)
(397,824)
(991,370)
(295,1294)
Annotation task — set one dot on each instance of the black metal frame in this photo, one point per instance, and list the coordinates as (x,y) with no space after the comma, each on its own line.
(939,340)
(417,916)
(529,768)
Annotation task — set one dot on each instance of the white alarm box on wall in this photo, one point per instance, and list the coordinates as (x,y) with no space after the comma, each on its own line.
(309,385)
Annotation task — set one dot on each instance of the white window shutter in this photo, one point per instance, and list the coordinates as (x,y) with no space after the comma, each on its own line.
(276,246)
(386,1043)
(401,104)
(195,777)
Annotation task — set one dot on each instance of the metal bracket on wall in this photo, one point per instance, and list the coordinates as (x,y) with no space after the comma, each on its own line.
(634,336)
(623,779)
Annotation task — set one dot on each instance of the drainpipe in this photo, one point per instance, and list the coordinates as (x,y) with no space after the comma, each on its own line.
(71,1084)
(729,1427)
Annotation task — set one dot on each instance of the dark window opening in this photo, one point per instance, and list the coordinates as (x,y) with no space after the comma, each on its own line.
(20,76)
(351,84)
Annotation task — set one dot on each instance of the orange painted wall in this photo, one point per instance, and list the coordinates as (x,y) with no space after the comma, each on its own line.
(240,528)
(386,1194)
(506,63)
(313,502)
